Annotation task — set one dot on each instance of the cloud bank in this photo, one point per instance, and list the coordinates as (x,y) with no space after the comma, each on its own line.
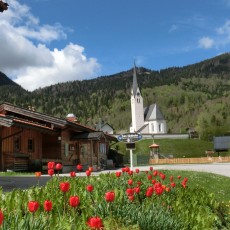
(25,57)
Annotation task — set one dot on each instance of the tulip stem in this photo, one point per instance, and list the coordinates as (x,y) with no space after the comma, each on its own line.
(64,198)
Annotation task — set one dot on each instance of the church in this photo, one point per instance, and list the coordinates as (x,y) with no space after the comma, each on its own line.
(148,120)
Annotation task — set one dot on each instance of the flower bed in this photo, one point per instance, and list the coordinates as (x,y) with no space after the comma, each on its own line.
(122,200)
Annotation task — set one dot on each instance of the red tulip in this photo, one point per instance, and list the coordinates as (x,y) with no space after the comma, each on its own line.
(1,217)
(89,188)
(185,179)
(118,174)
(130,181)
(58,166)
(171,178)
(137,189)
(79,167)
(167,189)
(38,174)
(151,189)
(155,173)
(149,177)
(183,184)
(88,173)
(123,170)
(90,169)
(51,172)
(95,223)
(130,172)
(158,184)
(47,205)
(74,201)
(137,170)
(51,165)
(154,181)
(151,168)
(162,176)
(72,174)
(130,191)
(33,206)
(109,196)
(64,186)
(173,184)
(179,177)
(149,192)
(159,190)
(139,183)
(131,198)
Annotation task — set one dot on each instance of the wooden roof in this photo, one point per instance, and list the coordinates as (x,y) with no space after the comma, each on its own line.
(12,115)
(9,109)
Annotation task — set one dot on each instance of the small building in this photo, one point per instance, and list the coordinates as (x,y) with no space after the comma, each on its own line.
(154,151)
(105,127)
(29,139)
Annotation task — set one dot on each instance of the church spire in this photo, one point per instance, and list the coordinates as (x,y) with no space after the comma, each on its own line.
(135,86)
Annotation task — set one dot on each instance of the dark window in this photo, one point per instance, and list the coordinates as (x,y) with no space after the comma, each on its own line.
(30,145)
(17,143)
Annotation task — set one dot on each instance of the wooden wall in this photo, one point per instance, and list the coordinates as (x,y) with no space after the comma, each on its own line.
(8,135)
(51,147)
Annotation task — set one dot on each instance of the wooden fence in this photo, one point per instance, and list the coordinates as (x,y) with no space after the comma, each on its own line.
(190,160)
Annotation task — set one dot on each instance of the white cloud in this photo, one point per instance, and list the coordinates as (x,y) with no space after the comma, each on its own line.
(225,29)
(26,58)
(206,43)
(68,64)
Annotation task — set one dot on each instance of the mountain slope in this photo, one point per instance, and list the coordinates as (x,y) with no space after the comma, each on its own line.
(4,80)
(197,96)
(11,91)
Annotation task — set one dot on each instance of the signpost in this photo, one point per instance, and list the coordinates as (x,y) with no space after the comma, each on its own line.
(130,139)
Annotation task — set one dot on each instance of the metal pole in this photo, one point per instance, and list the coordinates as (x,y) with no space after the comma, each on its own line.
(131,159)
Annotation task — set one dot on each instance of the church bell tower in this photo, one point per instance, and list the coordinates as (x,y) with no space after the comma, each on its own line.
(137,108)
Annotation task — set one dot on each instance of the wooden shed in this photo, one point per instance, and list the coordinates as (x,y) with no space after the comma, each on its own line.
(29,139)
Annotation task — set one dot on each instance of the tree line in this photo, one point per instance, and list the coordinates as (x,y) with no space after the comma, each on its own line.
(195,96)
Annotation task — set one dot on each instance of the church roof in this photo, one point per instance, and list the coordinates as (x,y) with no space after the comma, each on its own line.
(153,112)
(139,130)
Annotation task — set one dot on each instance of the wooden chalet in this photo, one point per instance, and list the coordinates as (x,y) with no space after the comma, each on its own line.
(29,139)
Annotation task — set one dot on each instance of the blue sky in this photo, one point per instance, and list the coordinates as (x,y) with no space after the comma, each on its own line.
(44,42)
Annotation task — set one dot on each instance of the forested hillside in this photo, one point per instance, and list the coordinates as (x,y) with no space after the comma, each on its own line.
(195,96)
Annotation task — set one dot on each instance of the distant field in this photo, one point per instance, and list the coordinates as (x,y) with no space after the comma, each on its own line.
(176,147)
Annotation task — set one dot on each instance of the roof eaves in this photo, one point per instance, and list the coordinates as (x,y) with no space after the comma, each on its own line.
(32,114)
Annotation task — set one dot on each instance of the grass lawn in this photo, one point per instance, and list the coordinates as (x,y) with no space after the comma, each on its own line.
(212,183)
(177,147)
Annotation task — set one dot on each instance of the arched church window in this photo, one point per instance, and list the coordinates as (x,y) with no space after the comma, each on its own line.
(152,127)
(160,128)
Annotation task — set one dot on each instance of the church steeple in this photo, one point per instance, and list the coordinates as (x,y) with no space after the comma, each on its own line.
(135,86)
(137,109)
